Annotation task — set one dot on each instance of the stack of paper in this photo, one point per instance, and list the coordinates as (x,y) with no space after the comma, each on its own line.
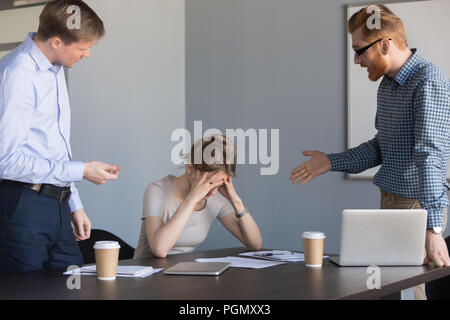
(122,271)
(237,262)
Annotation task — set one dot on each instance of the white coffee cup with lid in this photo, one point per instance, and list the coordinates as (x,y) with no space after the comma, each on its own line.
(107,259)
(313,244)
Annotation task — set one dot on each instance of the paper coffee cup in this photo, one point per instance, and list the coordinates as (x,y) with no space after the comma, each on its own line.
(313,244)
(106,259)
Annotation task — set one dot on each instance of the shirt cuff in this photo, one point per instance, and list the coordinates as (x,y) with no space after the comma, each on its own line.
(337,162)
(75,200)
(435,218)
(75,171)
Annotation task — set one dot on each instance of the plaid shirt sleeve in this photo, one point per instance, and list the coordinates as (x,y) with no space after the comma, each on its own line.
(431,134)
(366,155)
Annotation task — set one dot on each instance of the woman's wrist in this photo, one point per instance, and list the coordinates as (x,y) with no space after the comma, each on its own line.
(238,205)
(190,201)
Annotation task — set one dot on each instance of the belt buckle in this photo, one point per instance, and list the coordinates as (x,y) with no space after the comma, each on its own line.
(65,195)
(35,187)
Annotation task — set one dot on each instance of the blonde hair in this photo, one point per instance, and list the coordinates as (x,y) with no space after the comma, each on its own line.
(215,153)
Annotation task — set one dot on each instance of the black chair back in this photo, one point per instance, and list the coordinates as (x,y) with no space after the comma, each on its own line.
(439,289)
(87,246)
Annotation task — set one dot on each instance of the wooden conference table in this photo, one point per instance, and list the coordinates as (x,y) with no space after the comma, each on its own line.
(288,281)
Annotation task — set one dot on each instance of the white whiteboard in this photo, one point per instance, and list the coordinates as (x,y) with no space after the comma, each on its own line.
(16,23)
(427,24)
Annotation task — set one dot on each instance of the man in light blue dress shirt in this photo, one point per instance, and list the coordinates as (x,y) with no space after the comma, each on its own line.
(413,123)
(38,197)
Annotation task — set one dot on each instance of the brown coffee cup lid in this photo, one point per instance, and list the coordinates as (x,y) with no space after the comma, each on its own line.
(313,235)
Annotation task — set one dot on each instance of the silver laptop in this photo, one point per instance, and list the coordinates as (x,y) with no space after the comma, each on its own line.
(382,238)
(198,268)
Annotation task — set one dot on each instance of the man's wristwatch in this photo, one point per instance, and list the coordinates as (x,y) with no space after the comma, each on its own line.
(436,230)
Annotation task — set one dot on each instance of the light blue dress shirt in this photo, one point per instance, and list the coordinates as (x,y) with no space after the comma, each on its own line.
(35,121)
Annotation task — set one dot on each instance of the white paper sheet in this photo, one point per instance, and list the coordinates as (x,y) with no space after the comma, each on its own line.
(277,255)
(122,271)
(238,262)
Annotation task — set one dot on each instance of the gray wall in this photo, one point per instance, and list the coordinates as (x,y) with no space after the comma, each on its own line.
(276,64)
(126,100)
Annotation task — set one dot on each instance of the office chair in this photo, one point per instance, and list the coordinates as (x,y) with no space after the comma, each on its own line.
(439,289)
(87,246)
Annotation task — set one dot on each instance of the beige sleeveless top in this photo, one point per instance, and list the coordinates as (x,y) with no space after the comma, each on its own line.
(160,201)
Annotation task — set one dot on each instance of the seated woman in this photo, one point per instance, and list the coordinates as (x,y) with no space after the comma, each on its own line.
(179,211)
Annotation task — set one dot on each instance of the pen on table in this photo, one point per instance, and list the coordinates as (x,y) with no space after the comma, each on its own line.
(275,254)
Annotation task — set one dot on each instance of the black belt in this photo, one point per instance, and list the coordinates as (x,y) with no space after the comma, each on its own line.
(62,194)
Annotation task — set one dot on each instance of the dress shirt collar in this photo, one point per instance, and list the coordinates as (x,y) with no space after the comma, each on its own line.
(408,67)
(39,58)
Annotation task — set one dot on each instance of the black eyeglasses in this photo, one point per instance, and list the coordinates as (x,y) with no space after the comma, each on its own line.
(362,50)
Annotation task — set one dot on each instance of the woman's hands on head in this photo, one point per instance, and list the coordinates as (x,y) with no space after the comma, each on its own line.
(204,184)
(229,192)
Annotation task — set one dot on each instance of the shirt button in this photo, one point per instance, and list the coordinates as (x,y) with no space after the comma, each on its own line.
(390,116)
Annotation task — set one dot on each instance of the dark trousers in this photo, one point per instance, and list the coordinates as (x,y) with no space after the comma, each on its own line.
(35,232)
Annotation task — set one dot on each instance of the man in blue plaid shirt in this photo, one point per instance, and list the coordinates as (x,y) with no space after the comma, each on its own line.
(413,123)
